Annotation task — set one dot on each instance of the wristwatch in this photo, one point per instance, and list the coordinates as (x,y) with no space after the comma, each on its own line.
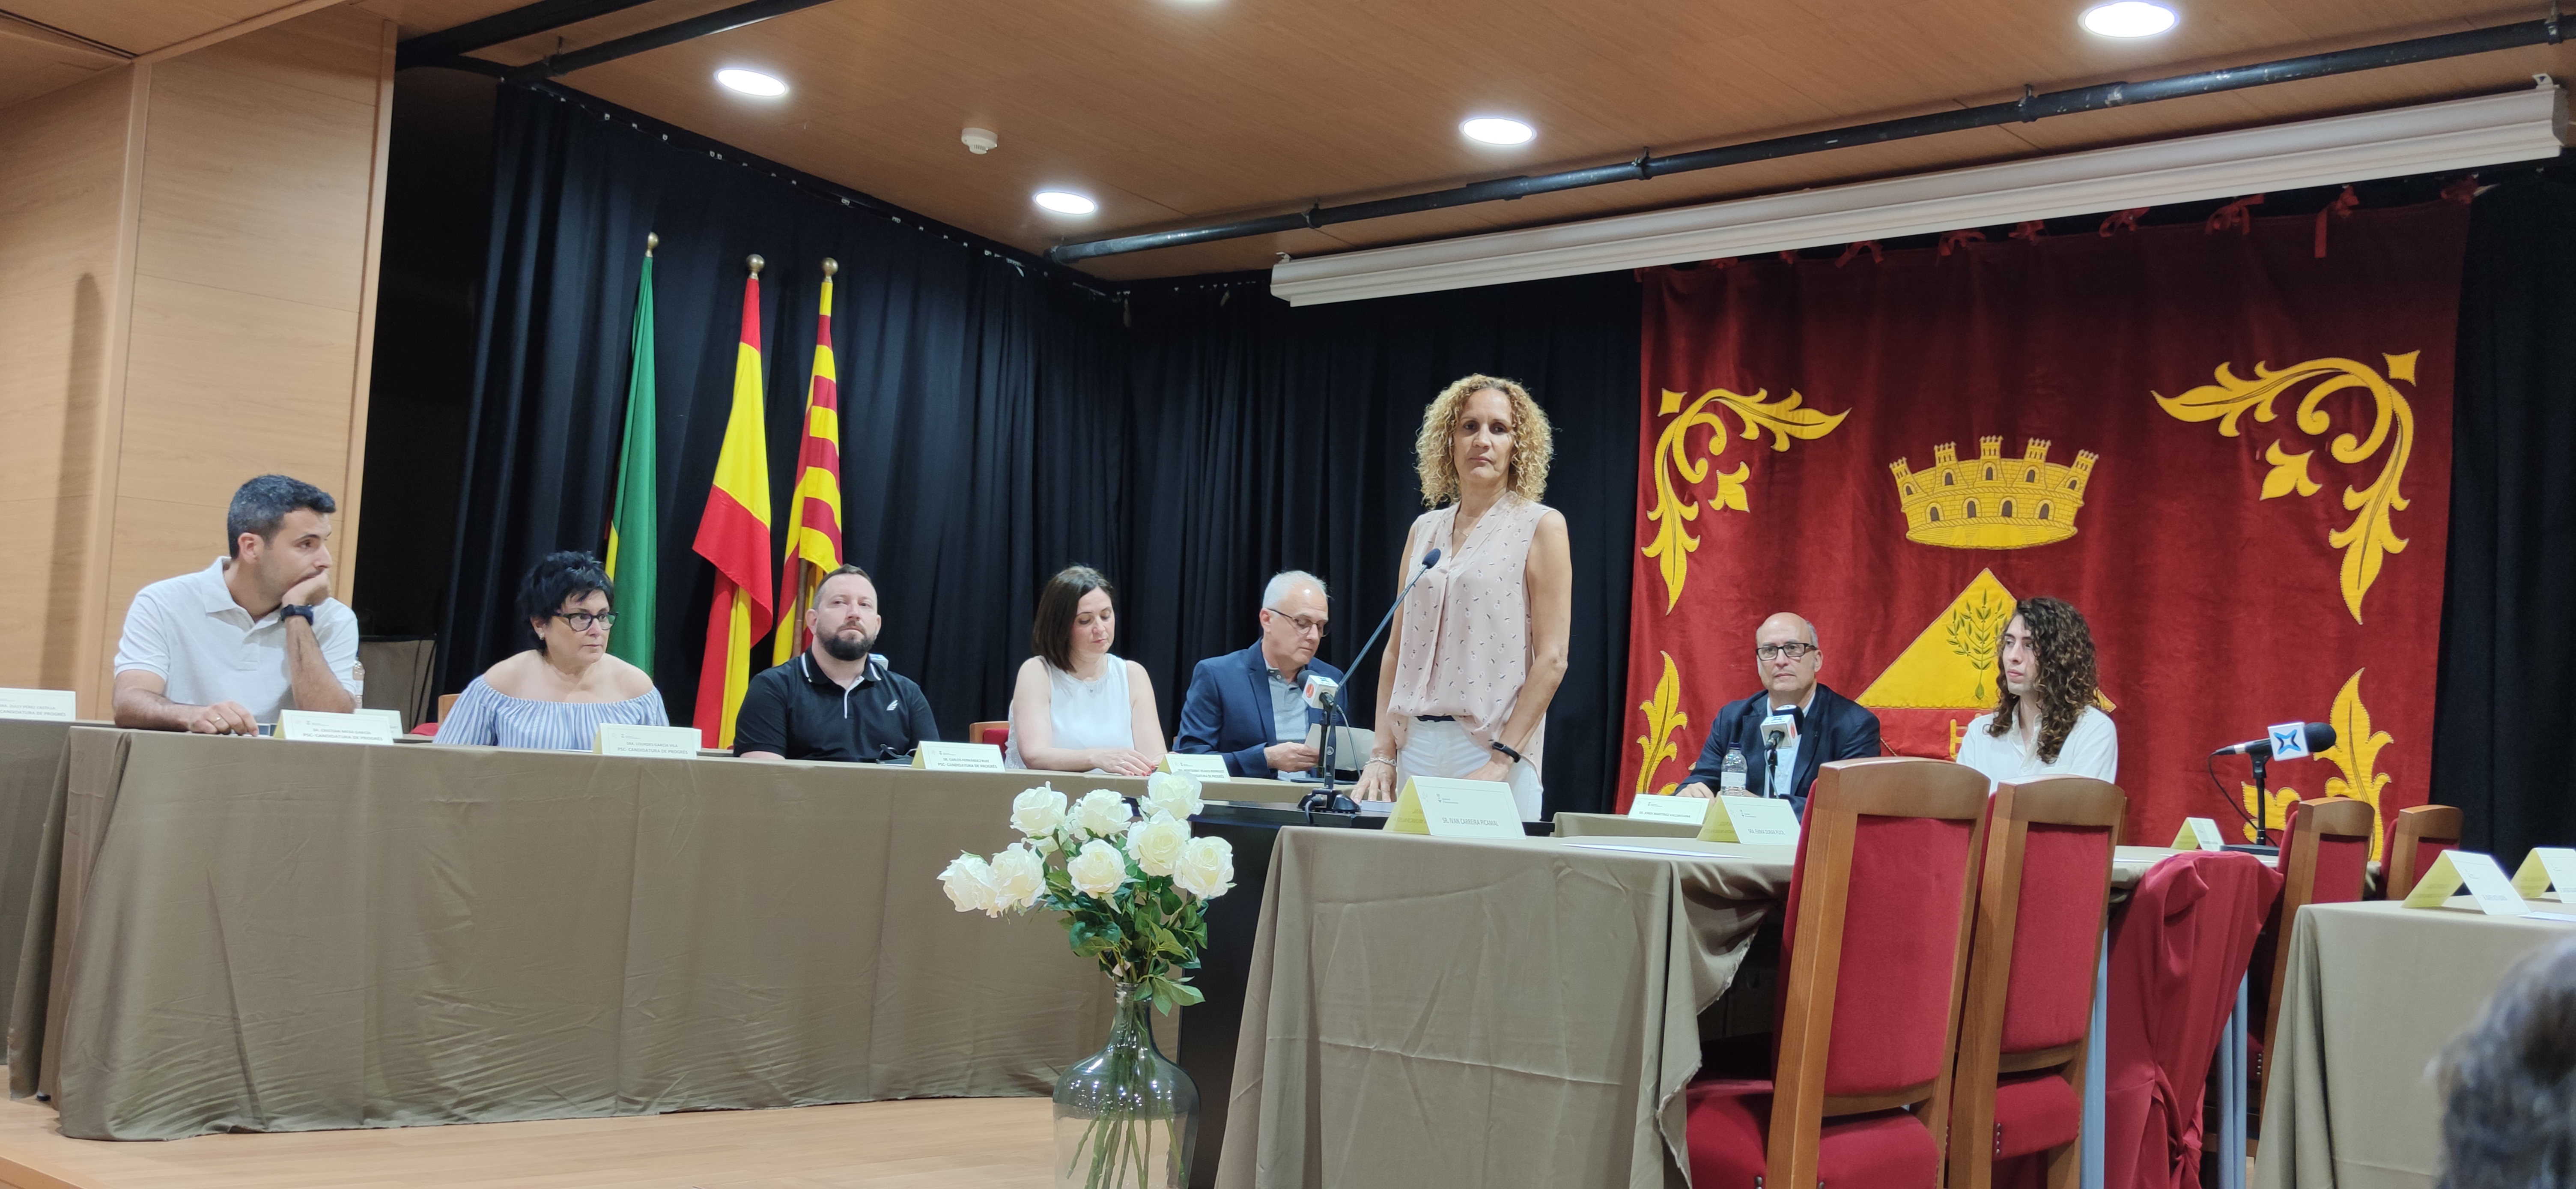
(300,612)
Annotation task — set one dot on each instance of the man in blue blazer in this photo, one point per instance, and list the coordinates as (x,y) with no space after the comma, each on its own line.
(1825,725)
(1250,706)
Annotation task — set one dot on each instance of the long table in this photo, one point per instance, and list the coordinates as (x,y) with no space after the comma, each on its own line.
(2352,1103)
(264,935)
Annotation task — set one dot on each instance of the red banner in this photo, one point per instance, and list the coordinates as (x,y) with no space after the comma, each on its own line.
(2232,454)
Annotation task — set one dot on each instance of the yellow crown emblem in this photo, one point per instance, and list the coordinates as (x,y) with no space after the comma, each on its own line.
(1994,502)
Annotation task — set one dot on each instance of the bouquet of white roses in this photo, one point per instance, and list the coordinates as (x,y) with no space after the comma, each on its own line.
(1129,884)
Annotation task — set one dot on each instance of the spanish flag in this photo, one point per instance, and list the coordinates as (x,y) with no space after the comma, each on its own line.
(814,513)
(733,535)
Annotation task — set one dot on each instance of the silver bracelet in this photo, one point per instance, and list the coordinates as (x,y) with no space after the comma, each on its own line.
(1376,760)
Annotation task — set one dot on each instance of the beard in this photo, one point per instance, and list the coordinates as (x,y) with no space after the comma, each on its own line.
(847,648)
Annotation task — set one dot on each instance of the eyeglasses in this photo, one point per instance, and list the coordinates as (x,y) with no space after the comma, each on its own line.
(580,621)
(1305,623)
(1773,652)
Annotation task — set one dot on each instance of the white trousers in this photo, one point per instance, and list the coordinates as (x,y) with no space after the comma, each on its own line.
(1446,749)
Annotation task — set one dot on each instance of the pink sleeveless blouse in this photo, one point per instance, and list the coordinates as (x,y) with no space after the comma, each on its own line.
(1466,646)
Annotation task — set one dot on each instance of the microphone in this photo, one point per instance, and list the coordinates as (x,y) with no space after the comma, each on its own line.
(1322,692)
(1328,696)
(1780,726)
(2287,738)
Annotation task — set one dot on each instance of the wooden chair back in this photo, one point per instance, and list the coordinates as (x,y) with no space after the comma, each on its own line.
(995,733)
(1887,861)
(2325,854)
(2038,942)
(2415,840)
(446,702)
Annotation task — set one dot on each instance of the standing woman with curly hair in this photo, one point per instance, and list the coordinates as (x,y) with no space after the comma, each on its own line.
(1479,649)
(2044,722)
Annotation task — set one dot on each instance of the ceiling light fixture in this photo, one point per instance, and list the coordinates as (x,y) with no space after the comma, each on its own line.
(1497,130)
(751,82)
(1065,202)
(2128,18)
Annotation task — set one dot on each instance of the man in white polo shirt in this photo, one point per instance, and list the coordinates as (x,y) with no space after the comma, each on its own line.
(220,651)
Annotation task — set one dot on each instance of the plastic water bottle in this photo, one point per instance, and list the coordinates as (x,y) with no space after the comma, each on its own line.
(1730,773)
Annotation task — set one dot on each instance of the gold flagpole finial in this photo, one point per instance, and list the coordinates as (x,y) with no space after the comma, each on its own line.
(756,262)
(830,266)
(652,240)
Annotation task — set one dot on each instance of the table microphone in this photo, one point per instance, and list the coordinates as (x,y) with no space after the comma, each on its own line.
(2320,737)
(1327,799)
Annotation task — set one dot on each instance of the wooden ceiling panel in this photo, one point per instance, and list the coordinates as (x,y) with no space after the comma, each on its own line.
(140,26)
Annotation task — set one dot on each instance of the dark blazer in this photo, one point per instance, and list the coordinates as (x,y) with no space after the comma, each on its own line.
(1837,728)
(1227,711)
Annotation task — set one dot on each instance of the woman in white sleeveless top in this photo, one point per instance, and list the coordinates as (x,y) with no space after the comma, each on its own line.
(1077,707)
(1478,652)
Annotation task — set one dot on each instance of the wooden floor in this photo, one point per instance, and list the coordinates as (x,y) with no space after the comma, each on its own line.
(1003,1143)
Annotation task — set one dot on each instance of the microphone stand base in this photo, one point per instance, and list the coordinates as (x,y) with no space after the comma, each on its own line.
(1326,801)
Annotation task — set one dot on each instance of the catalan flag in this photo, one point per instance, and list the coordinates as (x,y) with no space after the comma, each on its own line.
(733,535)
(814,513)
(634,540)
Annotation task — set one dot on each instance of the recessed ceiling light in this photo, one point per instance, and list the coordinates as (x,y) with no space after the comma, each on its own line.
(2128,18)
(1065,202)
(1496,130)
(752,82)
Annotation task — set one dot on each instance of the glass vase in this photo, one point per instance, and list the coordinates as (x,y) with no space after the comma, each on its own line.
(1125,1116)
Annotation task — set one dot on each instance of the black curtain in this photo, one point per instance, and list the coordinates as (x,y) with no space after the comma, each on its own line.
(2507,702)
(1001,419)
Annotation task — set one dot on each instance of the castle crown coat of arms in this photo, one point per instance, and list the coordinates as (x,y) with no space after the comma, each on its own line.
(1992,502)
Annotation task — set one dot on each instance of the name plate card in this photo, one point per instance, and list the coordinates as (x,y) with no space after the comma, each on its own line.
(51,705)
(2486,881)
(1196,767)
(957,757)
(315,726)
(1655,807)
(2544,868)
(1448,808)
(2199,833)
(1755,821)
(633,739)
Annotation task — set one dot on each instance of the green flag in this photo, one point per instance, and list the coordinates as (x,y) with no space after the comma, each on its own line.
(634,541)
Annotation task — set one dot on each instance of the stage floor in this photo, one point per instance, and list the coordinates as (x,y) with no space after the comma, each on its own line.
(917,1144)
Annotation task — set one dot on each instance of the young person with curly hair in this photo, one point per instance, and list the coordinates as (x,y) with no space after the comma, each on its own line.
(1477,652)
(2044,722)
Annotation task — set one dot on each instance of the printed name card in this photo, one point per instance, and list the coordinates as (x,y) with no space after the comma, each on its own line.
(2544,868)
(2199,833)
(52,705)
(1446,808)
(2486,881)
(1656,807)
(1196,767)
(315,726)
(633,739)
(957,757)
(1755,821)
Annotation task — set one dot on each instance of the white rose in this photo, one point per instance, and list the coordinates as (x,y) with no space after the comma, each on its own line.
(1038,811)
(1018,877)
(1102,814)
(1174,794)
(1206,868)
(1099,869)
(969,883)
(1157,841)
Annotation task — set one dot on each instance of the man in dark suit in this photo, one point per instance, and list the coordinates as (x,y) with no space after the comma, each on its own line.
(1824,725)
(1250,706)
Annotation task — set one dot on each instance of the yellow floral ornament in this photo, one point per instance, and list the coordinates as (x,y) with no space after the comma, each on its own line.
(1785,418)
(1664,717)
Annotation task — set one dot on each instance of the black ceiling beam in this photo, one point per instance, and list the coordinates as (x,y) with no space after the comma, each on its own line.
(527,20)
(653,39)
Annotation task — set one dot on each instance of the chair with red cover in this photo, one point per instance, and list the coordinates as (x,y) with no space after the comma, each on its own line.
(1885,872)
(2043,893)
(995,733)
(2325,855)
(2179,950)
(2415,840)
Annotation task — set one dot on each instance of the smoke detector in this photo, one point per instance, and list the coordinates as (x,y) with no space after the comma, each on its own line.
(979,141)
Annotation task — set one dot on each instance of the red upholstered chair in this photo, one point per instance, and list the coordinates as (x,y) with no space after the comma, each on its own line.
(2179,950)
(1886,876)
(995,733)
(2042,895)
(2415,840)
(2325,855)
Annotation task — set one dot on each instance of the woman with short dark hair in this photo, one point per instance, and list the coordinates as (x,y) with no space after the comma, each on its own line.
(558,694)
(1076,706)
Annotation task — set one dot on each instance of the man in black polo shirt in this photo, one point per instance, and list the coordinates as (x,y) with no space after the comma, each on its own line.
(836,700)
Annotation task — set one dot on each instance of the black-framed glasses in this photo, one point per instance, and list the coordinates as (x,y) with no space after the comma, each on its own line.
(1305,623)
(1793,651)
(580,621)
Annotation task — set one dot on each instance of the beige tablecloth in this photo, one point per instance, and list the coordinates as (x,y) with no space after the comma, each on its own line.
(263,935)
(2374,992)
(34,765)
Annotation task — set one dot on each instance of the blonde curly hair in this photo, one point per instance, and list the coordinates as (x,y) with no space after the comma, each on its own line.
(1533,445)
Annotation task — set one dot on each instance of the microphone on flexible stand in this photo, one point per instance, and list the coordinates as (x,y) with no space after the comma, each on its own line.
(1327,799)
(1779,727)
(2288,741)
